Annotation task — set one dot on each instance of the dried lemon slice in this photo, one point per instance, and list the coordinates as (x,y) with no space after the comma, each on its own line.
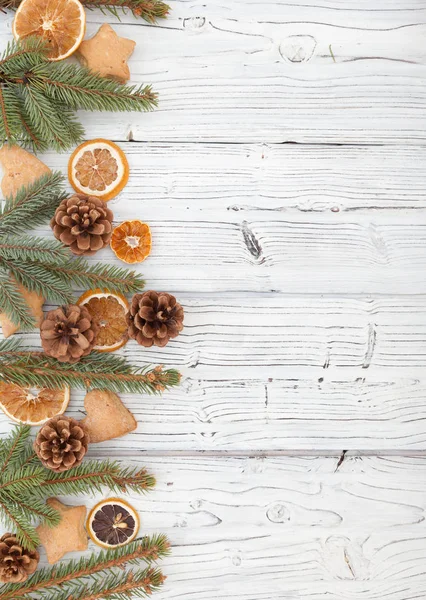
(98,168)
(113,522)
(108,310)
(131,241)
(32,407)
(61,24)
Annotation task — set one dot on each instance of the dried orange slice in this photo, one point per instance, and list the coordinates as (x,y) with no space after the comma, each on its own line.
(131,241)
(61,23)
(113,523)
(32,407)
(98,168)
(108,311)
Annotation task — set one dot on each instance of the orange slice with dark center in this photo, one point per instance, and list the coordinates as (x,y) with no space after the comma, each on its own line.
(108,310)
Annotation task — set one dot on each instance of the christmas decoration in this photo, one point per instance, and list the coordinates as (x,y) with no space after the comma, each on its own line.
(16,563)
(98,168)
(67,333)
(34,302)
(25,484)
(106,416)
(102,575)
(106,54)
(108,312)
(27,368)
(154,318)
(131,241)
(44,266)
(113,522)
(61,24)
(83,223)
(61,443)
(38,98)
(32,407)
(69,535)
(20,168)
(149,10)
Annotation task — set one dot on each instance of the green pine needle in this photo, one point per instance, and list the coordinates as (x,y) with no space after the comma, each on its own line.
(74,574)
(96,371)
(38,98)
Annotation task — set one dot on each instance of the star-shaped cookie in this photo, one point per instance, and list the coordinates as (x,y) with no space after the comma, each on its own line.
(106,53)
(68,536)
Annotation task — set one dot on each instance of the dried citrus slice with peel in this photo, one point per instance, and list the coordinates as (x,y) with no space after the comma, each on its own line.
(61,23)
(108,310)
(32,407)
(98,168)
(131,241)
(112,523)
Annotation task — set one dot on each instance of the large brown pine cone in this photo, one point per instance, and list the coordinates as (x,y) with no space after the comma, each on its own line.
(68,333)
(61,443)
(154,318)
(84,223)
(16,563)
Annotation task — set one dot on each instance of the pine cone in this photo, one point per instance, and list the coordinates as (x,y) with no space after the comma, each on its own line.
(61,443)
(68,333)
(154,318)
(84,223)
(16,563)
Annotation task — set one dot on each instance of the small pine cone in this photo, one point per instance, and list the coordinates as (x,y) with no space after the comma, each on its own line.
(61,443)
(16,563)
(154,318)
(68,333)
(84,223)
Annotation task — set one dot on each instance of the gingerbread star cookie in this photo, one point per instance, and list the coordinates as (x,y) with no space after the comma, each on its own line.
(69,536)
(107,417)
(106,53)
(35,304)
(20,168)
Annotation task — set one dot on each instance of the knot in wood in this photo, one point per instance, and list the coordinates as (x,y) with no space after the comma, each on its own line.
(298,48)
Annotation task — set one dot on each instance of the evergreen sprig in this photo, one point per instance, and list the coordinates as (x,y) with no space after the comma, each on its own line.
(27,368)
(46,266)
(149,10)
(38,98)
(25,484)
(68,575)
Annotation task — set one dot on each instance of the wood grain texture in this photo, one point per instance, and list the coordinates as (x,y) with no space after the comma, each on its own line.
(239,72)
(287,528)
(262,218)
(265,373)
(267,181)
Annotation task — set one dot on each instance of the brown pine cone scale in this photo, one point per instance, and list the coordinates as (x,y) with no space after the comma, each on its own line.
(16,563)
(68,333)
(61,443)
(154,318)
(83,223)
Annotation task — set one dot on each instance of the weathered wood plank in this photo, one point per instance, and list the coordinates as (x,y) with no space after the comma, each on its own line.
(291,74)
(256,529)
(281,373)
(199,181)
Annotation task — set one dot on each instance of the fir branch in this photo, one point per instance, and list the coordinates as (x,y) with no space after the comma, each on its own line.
(32,204)
(33,249)
(38,98)
(147,549)
(95,371)
(13,304)
(149,10)
(92,476)
(14,520)
(12,447)
(107,277)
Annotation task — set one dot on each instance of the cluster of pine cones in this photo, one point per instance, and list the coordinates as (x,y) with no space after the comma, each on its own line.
(68,333)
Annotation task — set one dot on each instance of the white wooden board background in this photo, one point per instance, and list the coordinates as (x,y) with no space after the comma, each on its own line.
(283,176)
